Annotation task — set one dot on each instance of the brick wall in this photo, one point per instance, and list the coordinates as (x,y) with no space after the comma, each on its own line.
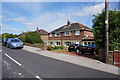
(72,37)
(116,58)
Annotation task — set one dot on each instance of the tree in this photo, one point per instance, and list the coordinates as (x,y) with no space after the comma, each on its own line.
(7,35)
(22,38)
(114,30)
(33,37)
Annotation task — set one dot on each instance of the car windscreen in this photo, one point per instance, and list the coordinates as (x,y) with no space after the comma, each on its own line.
(15,40)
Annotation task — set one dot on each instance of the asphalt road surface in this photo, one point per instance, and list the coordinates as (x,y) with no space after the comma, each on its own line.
(17,63)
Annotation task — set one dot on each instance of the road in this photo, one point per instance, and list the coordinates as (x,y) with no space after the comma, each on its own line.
(22,64)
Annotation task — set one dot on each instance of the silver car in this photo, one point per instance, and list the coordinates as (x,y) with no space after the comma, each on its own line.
(14,43)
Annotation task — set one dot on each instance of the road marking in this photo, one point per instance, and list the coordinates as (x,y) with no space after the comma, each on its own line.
(38,77)
(0,50)
(13,59)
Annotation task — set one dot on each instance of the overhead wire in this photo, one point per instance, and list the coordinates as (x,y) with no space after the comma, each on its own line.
(91,12)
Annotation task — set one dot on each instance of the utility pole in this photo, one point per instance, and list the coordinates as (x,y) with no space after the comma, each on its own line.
(106,31)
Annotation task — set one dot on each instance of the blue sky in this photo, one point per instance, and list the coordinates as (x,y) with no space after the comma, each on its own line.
(27,16)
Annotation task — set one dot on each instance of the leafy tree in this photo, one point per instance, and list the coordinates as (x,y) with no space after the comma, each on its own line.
(22,38)
(114,30)
(33,37)
(7,35)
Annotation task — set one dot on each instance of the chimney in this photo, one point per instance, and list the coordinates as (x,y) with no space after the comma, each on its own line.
(68,22)
(37,29)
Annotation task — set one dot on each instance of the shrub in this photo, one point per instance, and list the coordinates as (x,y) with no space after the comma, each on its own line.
(33,37)
(49,47)
(22,38)
(58,47)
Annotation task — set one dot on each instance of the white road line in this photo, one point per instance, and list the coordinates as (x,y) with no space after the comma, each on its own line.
(0,50)
(13,59)
(38,77)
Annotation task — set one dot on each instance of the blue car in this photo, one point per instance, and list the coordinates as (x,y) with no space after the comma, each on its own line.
(90,48)
(14,43)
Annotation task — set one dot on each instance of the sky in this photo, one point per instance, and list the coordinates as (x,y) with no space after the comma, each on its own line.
(27,16)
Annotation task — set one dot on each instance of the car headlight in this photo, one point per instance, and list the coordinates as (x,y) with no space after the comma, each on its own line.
(13,44)
(21,43)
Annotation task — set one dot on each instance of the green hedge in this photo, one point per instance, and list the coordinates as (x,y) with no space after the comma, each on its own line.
(58,47)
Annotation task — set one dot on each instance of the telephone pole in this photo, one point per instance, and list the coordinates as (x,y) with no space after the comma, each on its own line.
(106,30)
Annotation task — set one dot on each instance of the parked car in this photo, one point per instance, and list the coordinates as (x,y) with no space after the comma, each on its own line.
(14,43)
(73,47)
(91,48)
(4,42)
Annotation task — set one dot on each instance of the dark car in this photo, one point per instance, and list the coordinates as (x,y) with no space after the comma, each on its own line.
(73,47)
(4,42)
(91,48)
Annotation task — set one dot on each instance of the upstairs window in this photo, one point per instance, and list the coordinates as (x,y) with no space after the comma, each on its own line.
(77,33)
(57,34)
(68,33)
(50,35)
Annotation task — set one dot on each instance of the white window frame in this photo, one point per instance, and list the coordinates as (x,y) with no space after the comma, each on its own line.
(56,34)
(69,33)
(58,44)
(77,42)
(68,43)
(50,35)
(77,32)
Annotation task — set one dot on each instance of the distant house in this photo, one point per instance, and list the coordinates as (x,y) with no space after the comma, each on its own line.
(44,34)
(71,33)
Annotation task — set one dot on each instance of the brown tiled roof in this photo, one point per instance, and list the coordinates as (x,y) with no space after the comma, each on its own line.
(42,32)
(72,26)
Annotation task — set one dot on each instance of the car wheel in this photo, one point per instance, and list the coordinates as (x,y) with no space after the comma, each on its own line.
(7,46)
(69,50)
(93,53)
(10,47)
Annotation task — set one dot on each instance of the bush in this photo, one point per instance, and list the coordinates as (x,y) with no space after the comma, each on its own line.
(33,37)
(49,47)
(7,35)
(22,38)
(58,47)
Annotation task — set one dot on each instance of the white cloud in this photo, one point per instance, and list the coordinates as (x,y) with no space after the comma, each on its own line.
(6,29)
(52,20)
(91,9)
(14,19)
(49,21)
(2,16)
(28,23)
(57,0)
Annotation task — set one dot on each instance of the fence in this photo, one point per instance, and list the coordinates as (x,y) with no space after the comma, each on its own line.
(43,46)
(114,58)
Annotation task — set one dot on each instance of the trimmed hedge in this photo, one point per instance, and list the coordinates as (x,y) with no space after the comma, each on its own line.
(58,47)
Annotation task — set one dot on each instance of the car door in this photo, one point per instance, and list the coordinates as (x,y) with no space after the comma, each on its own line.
(8,42)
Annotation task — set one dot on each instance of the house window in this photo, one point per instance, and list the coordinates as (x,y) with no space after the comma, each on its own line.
(88,42)
(68,33)
(57,34)
(77,32)
(93,43)
(50,35)
(57,43)
(85,43)
(67,43)
(77,42)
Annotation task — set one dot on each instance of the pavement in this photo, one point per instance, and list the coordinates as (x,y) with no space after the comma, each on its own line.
(81,61)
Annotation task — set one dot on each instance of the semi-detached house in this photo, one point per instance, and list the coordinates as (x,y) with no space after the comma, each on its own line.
(71,33)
